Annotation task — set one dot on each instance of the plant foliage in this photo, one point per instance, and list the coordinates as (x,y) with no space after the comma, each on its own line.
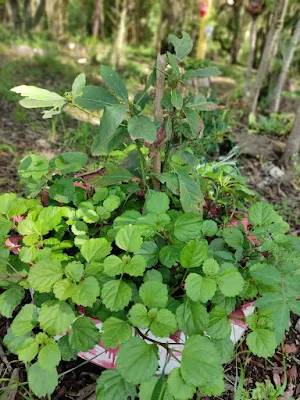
(142,261)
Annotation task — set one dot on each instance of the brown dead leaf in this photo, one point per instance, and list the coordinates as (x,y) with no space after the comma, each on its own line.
(276,379)
(290,348)
(292,373)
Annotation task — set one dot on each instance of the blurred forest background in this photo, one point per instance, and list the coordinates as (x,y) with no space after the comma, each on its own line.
(255,43)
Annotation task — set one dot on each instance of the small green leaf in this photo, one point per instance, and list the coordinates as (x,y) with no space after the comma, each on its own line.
(62,190)
(25,321)
(187,227)
(150,252)
(170,255)
(233,237)
(176,99)
(86,292)
(199,288)
(28,351)
(5,226)
(55,317)
(164,323)
(95,249)
(113,266)
(141,127)
(10,299)
(210,267)
(194,254)
(192,317)
(138,316)
(129,238)
(69,162)
(225,349)
(137,361)
(262,342)
(266,273)
(116,295)
(74,270)
(84,334)
(178,387)
(12,342)
(219,326)
(191,197)
(44,274)
(262,214)
(200,361)
(78,85)
(115,331)
(183,46)
(63,289)
(173,63)
(136,266)
(111,386)
(42,381)
(209,228)
(154,294)
(148,390)
(49,355)
(112,202)
(157,203)
(112,79)
(230,282)
(202,72)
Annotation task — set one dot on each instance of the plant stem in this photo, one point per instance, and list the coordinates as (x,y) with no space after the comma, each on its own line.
(85,111)
(141,158)
(161,62)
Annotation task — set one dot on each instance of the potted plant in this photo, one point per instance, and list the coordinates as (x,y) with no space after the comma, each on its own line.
(142,245)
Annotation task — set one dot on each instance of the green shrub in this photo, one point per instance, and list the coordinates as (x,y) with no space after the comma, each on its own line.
(140,260)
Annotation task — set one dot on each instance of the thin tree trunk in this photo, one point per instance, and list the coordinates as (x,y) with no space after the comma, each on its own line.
(293,143)
(275,101)
(236,21)
(96,18)
(13,13)
(38,14)
(161,63)
(118,51)
(268,53)
(252,44)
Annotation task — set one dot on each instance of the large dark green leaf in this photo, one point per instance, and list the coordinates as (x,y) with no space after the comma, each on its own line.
(112,79)
(191,197)
(141,127)
(202,72)
(112,176)
(96,98)
(111,119)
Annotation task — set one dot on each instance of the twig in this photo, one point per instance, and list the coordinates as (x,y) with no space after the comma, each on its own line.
(161,62)
(5,360)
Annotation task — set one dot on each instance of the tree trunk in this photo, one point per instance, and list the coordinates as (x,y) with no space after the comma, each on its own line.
(13,13)
(252,44)
(57,16)
(275,101)
(96,18)
(118,51)
(236,22)
(268,53)
(293,143)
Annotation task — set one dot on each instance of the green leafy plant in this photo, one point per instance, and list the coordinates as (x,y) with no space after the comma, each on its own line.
(276,124)
(142,261)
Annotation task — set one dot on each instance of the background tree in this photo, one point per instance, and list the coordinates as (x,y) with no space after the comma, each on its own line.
(269,51)
(287,59)
(254,9)
(293,143)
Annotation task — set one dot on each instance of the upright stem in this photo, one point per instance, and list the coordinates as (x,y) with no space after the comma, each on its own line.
(161,62)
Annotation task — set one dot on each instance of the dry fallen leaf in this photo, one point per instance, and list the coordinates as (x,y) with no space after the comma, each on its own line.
(290,348)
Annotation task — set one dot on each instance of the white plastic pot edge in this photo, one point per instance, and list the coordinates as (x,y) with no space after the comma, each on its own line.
(106,358)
